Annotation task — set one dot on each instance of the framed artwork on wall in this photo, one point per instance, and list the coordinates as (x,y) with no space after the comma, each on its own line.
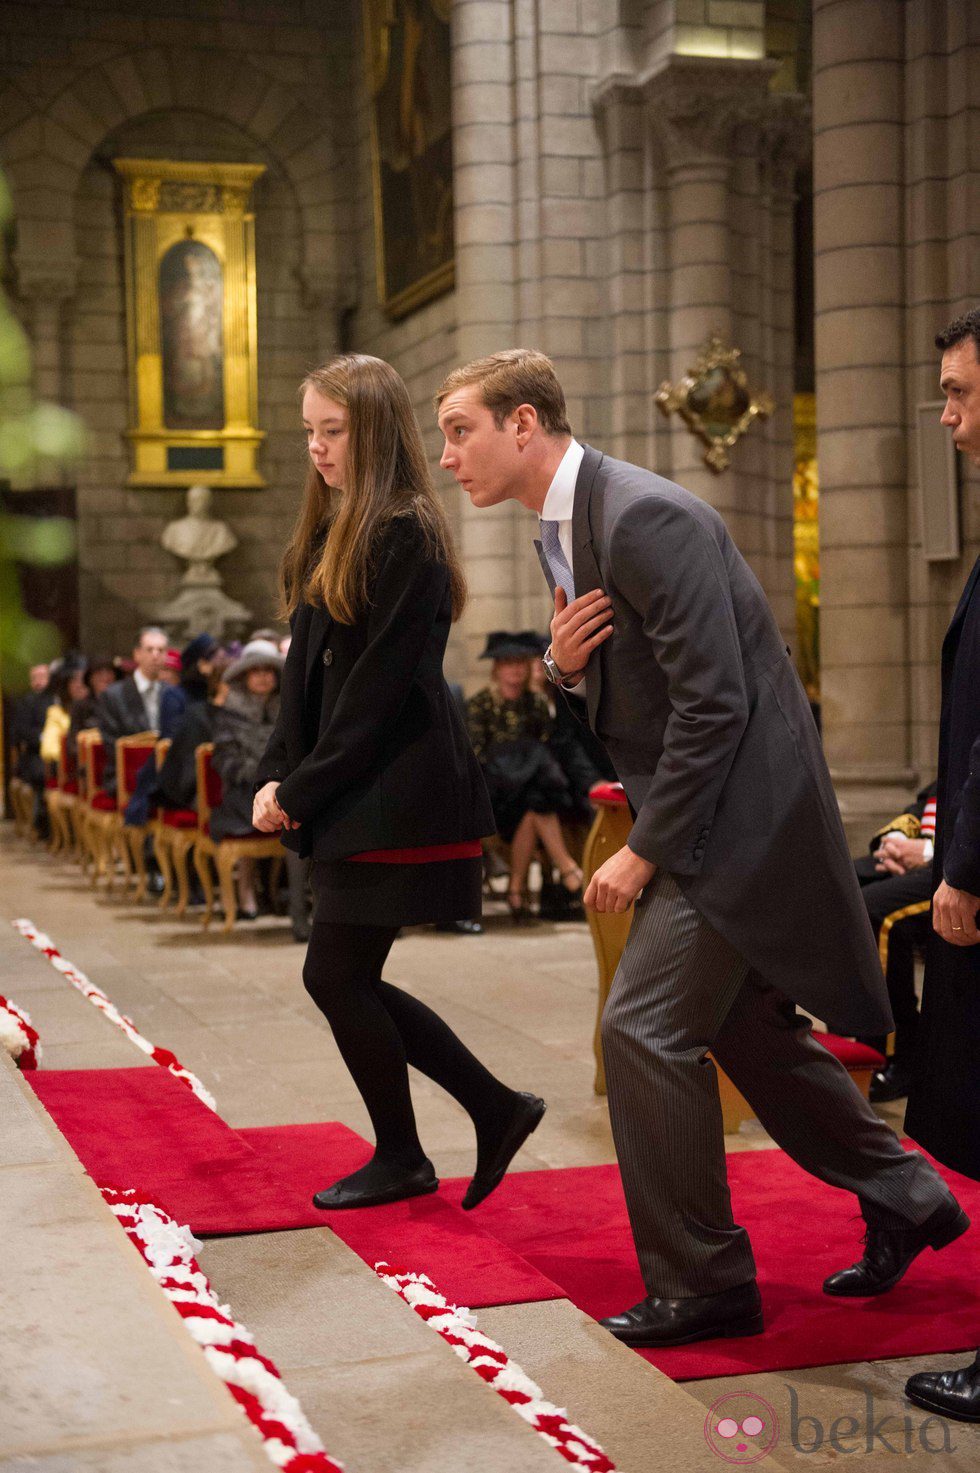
(189,236)
(409,92)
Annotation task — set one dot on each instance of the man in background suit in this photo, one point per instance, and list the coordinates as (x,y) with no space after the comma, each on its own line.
(692,692)
(944,1105)
(132,705)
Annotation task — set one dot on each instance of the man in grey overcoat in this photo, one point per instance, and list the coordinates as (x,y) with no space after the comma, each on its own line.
(693,692)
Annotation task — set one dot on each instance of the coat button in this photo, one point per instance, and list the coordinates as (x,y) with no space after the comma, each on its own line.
(328,657)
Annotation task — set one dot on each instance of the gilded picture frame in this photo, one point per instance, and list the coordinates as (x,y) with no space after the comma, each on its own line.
(407,54)
(715,401)
(189,233)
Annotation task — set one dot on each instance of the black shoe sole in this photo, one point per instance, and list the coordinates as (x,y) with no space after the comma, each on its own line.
(939,1408)
(941,1238)
(377,1199)
(738,1330)
(480,1188)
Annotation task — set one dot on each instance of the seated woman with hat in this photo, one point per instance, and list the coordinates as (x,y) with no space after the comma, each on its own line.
(243,725)
(510,728)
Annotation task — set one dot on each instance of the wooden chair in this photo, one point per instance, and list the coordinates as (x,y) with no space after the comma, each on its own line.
(224,852)
(91,764)
(22,804)
(609,833)
(132,754)
(174,834)
(61,798)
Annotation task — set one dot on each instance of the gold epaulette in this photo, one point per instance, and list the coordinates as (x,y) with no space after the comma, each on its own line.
(904,823)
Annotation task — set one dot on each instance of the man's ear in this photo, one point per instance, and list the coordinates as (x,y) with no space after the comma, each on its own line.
(526,418)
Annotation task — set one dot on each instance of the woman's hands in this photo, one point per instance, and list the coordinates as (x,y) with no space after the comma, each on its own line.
(267,816)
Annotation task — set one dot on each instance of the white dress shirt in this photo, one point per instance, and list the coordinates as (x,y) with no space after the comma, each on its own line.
(150,692)
(558,506)
(560,499)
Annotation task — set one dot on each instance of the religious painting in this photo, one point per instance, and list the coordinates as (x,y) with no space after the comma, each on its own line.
(191,337)
(191,322)
(715,401)
(410,90)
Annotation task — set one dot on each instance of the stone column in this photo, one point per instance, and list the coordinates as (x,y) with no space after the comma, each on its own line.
(486,232)
(858,48)
(718,130)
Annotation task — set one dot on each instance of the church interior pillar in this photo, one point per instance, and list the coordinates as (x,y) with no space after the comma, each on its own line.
(860,398)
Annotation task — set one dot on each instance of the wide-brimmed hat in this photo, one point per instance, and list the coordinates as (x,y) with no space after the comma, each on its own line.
(201,647)
(505,645)
(258,654)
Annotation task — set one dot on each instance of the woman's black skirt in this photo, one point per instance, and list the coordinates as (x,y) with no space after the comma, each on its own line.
(368,894)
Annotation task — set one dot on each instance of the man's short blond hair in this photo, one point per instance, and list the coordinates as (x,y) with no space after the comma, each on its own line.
(511,378)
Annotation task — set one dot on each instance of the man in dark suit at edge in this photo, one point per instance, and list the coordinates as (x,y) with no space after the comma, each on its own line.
(944,1105)
(132,705)
(692,692)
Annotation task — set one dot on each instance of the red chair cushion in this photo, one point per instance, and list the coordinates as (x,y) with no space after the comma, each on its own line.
(606,794)
(852,1055)
(51,783)
(70,787)
(134,759)
(179,818)
(213,790)
(104,803)
(98,762)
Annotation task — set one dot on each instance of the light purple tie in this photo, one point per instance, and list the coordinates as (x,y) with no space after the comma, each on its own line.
(557,561)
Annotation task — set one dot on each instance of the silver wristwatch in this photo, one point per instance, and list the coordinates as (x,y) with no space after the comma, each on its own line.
(554,674)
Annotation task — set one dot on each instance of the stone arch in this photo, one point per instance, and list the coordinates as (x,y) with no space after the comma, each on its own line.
(44,150)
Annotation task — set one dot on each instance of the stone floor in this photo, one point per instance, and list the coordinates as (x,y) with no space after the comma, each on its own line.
(234,1011)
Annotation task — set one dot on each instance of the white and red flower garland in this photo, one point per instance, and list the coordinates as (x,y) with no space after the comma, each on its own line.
(457,1326)
(98,998)
(169,1252)
(17,1036)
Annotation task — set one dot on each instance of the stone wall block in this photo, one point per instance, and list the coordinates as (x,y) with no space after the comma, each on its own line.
(866,153)
(863,91)
(860,276)
(123,76)
(862,215)
(154,71)
(858,336)
(854,30)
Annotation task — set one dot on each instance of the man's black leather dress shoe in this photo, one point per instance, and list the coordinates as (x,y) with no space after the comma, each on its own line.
(657,1322)
(889,1251)
(527,1117)
(460,928)
(417,1183)
(953,1394)
(891,1083)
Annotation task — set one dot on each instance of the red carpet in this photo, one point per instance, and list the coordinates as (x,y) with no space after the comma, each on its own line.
(141,1128)
(540,1229)
(572,1226)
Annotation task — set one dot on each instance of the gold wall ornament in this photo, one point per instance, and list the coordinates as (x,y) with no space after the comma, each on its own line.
(715,401)
(189,236)
(408,68)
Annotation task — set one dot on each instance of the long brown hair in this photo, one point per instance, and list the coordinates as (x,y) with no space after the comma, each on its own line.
(328,559)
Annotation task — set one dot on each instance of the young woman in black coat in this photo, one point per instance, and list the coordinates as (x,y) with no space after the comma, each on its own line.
(370,772)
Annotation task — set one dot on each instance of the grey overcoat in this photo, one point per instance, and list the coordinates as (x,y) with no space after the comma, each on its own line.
(696,699)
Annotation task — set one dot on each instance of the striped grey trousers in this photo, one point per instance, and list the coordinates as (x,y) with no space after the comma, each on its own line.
(680,990)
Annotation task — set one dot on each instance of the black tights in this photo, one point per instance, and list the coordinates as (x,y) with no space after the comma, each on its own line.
(380,1030)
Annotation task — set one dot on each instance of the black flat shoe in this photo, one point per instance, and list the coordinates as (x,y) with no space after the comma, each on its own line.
(889,1251)
(953,1394)
(417,1183)
(460,928)
(526,1118)
(730,1315)
(891,1083)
